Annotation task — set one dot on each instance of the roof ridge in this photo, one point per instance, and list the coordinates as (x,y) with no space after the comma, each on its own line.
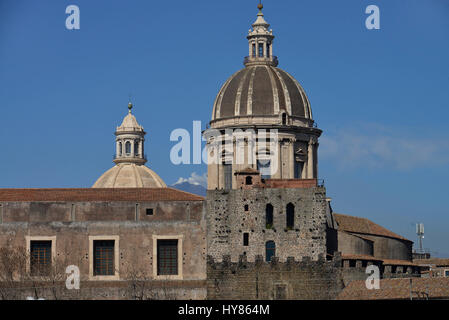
(95,194)
(189,193)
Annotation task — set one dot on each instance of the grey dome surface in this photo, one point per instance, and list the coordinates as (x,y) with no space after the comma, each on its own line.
(261,90)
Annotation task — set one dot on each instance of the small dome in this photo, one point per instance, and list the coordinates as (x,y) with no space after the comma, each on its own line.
(129,175)
(261,90)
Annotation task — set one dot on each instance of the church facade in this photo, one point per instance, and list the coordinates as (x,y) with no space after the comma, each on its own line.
(266,229)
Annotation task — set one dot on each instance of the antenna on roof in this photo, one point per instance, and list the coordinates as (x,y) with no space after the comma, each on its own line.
(420,233)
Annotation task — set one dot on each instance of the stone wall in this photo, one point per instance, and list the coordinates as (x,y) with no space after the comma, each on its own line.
(355,269)
(107,290)
(73,226)
(233,213)
(353,244)
(305,279)
(390,248)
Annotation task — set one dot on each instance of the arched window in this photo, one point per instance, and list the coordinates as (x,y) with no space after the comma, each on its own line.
(269,216)
(290,216)
(284,118)
(128,147)
(136,148)
(120,150)
(268,50)
(261,49)
(254,50)
(249,180)
(270,250)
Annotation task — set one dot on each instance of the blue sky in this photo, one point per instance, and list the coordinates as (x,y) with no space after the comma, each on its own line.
(381,96)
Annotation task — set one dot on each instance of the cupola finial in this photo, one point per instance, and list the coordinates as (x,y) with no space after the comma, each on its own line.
(130,104)
(260,6)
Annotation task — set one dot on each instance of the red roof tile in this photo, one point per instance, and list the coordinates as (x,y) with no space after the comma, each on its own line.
(395,262)
(359,257)
(92,194)
(439,262)
(363,226)
(434,288)
(387,262)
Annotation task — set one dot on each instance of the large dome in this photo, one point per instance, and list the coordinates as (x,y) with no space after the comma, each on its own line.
(129,175)
(261,90)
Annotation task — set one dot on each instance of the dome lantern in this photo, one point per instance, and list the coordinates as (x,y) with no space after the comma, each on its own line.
(130,140)
(260,40)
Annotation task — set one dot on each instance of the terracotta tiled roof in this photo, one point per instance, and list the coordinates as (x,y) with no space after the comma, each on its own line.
(435,288)
(387,262)
(363,226)
(359,257)
(439,262)
(130,194)
(393,262)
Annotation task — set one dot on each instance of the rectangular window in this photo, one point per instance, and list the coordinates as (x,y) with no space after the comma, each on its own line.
(254,50)
(264,167)
(104,257)
(246,239)
(446,273)
(167,257)
(261,50)
(149,211)
(227,176)
(40,257)
(299,166)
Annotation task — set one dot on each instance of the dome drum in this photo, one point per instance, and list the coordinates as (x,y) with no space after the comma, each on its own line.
(267,122)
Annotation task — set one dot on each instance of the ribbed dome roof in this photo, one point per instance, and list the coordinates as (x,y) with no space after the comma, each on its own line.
(261,90)
(129,175)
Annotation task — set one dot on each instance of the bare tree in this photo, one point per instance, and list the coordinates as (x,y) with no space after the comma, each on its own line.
(21,278)
(140,283)
(13,273)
